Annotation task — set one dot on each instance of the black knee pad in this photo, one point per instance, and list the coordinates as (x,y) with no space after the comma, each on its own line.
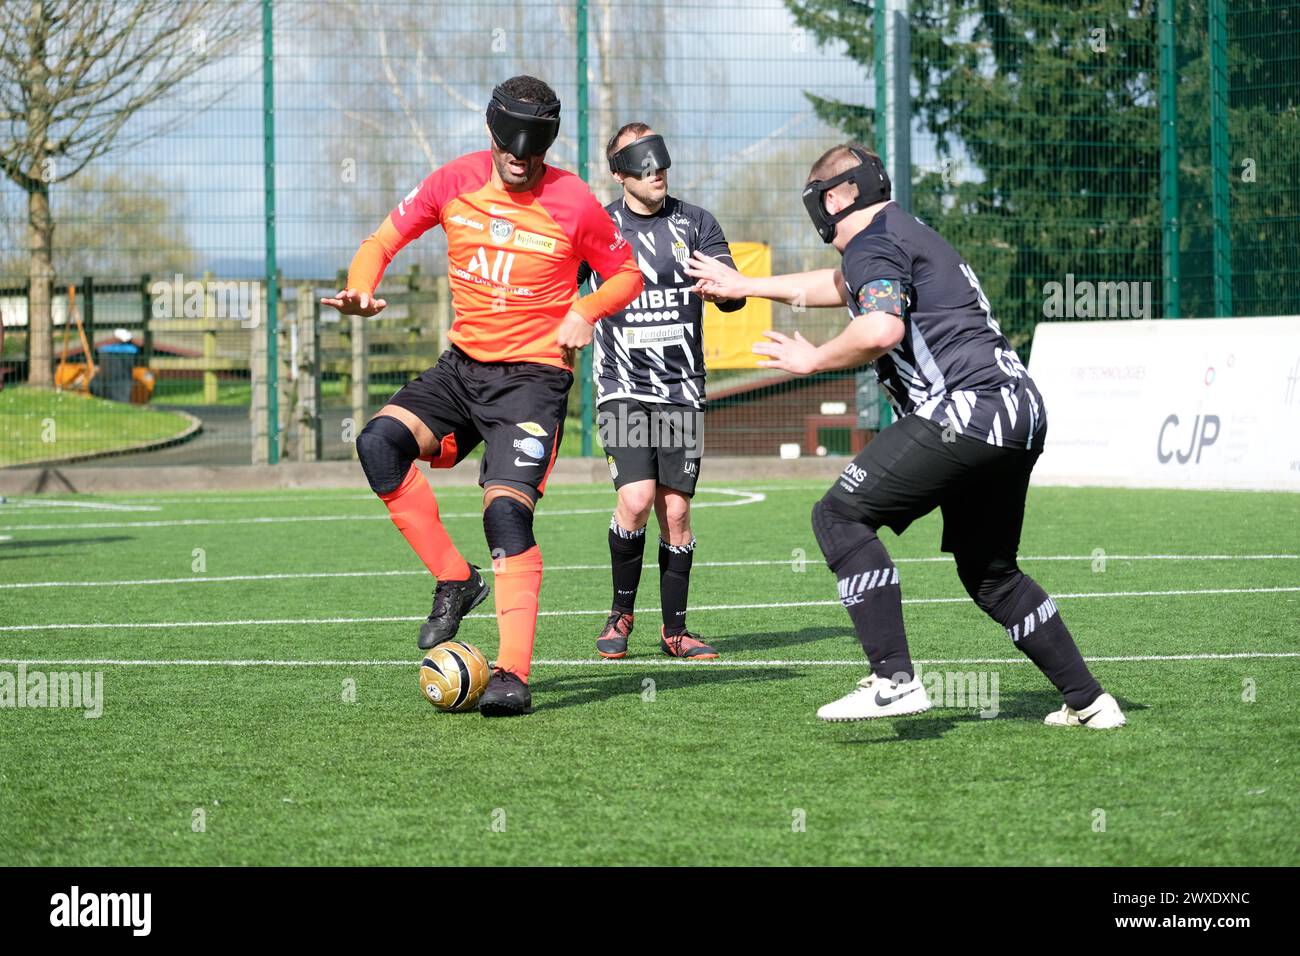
(993,583)
(508,527)
(386,448)
(839,534)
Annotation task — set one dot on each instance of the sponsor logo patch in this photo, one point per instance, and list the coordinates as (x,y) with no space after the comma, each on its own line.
(530,447)
(852,476)
(656,337)
(471,223)
(534,429)
(534,242)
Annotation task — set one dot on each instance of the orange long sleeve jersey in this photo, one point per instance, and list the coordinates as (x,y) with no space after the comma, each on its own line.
(512,257)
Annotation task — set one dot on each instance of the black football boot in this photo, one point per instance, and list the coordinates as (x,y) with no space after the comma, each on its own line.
(506,696)
(452,600)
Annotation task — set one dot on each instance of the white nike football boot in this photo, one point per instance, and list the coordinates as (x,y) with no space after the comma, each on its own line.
(878,697)
(1102,714)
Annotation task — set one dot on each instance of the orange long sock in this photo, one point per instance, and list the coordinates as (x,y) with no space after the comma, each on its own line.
(517,582)
(414,510)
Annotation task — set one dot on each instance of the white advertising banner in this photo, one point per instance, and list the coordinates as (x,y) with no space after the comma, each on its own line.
(1172,403)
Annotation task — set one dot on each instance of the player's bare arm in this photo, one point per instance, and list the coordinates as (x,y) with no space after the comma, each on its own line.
(821,288)
(864,340)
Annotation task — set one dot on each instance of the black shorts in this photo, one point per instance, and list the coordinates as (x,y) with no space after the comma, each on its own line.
(649,440)
(516,408)
(908,470)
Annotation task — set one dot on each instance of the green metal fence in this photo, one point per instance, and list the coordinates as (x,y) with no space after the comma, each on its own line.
(1146,146)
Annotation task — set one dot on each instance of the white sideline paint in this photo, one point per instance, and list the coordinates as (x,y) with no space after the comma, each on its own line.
(29,505)
(742,498)
(399,619)
(152,503)
(311,575)
(631,661)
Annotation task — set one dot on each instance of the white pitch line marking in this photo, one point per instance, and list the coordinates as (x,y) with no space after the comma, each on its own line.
(632,662)
(280,496)
(778,562)
(400,619)
(742,498)
(29,505)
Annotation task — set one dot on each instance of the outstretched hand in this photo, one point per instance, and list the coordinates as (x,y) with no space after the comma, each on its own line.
(715,281)
(352,302)
(796,355)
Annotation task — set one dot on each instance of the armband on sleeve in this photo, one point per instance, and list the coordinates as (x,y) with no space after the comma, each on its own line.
(883,295)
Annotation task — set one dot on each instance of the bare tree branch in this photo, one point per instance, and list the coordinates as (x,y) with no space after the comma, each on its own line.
(74,75)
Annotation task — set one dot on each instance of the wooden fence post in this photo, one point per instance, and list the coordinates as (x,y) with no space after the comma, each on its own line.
(88,314)
(146,315)
(415,310)
(285,334)
(209,340)
(442,313)
(258,406)
(345,343)
(360,377)
(308,416)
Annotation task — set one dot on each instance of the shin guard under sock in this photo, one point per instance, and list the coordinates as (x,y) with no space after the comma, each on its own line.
(675,583)
(868,589)
(414,510)
(1034,625)
(626,555)
(517,583)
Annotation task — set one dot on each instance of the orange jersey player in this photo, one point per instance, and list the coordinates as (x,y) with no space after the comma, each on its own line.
(517,230)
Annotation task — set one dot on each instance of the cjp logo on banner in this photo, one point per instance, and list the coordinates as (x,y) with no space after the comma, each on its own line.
(1204,433)
(1219,399)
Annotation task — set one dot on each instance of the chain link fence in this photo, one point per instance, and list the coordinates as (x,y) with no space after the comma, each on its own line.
(1100,159)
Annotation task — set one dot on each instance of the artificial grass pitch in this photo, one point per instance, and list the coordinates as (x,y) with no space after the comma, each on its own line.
(260,702)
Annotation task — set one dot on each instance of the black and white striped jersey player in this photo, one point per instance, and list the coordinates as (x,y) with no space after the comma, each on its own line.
(653,351)
(648,365)
(971,427)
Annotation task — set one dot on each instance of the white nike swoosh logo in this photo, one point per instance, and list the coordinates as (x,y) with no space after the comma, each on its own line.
(494,211)
(526,464)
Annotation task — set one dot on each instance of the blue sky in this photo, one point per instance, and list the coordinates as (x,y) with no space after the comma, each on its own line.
(733,72)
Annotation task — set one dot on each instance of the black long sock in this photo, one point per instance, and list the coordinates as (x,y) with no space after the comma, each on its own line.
(675,583)
(626,554)
(1034,625)
(1032,621)
(868,588)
